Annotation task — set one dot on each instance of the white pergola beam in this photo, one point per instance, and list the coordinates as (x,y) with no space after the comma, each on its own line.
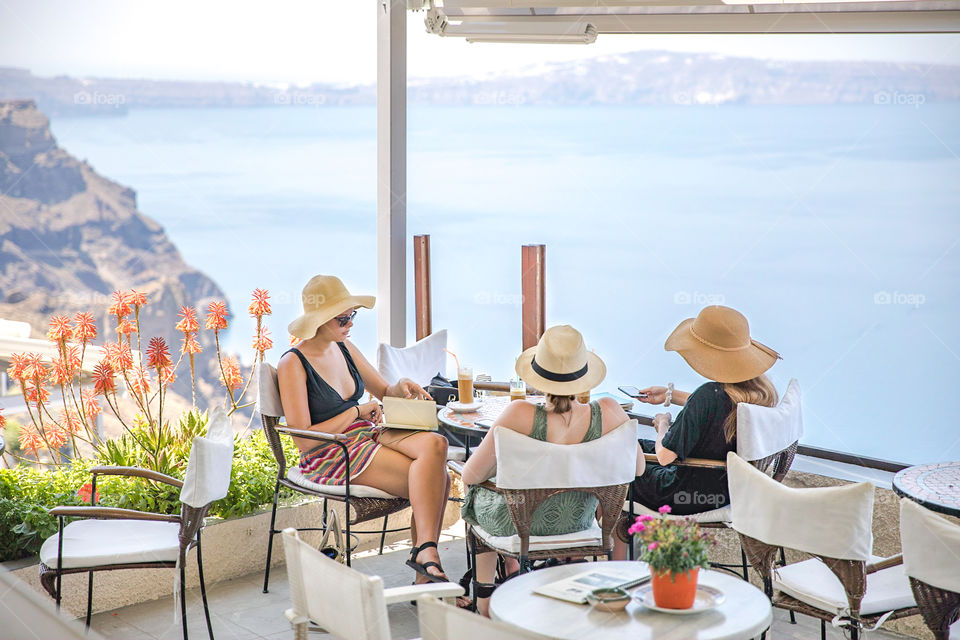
(392,172)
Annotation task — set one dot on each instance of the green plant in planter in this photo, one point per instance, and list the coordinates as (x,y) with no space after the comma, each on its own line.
(671,545)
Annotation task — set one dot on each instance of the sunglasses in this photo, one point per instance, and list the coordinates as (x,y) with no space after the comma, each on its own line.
(345,320)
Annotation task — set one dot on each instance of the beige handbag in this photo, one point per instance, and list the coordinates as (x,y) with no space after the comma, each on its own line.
(331,544)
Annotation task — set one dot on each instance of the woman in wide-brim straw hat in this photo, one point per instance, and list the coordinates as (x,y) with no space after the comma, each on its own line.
(718,346)
(561,367)
(322,381)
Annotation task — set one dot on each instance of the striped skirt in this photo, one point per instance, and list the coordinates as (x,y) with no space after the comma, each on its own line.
(325,464)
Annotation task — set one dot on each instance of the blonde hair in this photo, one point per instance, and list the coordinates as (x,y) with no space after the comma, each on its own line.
(757,390)
(559,404)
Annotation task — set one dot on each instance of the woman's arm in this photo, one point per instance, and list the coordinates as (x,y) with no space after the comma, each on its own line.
(292,380)
(377,384)
(482,464)
(661,423)
(658,395)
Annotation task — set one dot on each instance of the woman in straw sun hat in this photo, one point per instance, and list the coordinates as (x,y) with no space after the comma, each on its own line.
(718,346)
(562,368)
(322,381)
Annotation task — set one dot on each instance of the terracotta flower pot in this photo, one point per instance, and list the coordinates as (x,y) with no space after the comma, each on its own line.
(674,590)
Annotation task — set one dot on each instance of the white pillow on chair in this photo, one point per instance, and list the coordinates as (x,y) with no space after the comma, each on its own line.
(931,546)
(764,431)
(835,522)
(420,361)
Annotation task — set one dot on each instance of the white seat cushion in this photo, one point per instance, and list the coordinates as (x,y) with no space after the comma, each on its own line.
(586,538)
(457,454)
(714,515)
(95,543)
(295,476)
(812,582)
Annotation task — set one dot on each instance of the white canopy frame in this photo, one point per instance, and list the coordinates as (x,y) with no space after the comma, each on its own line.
(579,21)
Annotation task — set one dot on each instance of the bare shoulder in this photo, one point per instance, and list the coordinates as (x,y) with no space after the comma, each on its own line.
(289,365)
(613,414)
(517,416)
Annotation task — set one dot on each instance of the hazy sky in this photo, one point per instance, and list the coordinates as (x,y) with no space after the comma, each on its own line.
(303,41)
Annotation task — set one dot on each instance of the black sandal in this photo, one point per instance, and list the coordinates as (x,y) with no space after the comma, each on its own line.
(421,568)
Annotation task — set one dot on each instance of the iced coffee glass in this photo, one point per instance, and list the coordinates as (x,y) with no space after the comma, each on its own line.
(465,384)
(518,390)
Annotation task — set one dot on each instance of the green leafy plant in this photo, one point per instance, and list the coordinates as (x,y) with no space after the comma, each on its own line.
(671,545)
(27,492)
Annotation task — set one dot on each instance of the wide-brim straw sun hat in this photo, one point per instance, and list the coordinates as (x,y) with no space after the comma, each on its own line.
(324,298)
(560,363)
(718,346)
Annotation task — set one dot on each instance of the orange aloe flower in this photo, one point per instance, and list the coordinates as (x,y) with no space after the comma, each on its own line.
(140,381)
(60,373)
(73,358)
(293,341)
(56,436)
(119,355)
(158,354)
(231,376)
(70,421)
(120,306)
(103,381)
(126,327)
(59,329)
(188,322)
(137,299)
(260,306)
(30,439)
(191,346)
(262,341)
(84,328)
(85,493)
(217,315)
(168,375)
(3,420)
(18,363)
(90,403)
(34,368)
(36,393)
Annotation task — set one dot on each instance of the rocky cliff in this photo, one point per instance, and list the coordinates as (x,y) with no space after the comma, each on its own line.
(69,237)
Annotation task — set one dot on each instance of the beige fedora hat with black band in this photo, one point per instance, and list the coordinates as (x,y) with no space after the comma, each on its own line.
(718,346)
(324,298)
(560,363)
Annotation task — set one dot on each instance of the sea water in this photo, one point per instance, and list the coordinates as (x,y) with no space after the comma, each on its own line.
(835,229)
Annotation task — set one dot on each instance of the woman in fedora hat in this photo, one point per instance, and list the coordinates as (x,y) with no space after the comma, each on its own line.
(718,346)
(562,368)
(322,381)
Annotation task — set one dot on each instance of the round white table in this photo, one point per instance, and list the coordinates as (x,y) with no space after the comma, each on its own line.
(745,613)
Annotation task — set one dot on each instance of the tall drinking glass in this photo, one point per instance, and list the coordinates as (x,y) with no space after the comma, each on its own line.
(465,384)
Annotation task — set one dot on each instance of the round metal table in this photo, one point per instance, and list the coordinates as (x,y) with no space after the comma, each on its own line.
(462,425)
(935,486)
(745,613)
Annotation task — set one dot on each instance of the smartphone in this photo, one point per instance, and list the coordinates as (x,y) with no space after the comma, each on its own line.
(633,392)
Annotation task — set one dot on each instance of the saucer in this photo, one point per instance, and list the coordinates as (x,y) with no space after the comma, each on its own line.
(464,407)
(707,598)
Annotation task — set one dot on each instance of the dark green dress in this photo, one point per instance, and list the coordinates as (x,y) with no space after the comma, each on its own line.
(563,513)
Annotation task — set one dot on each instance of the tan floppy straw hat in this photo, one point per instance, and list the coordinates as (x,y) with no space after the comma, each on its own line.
(718,346)
(560,363)
(324,298)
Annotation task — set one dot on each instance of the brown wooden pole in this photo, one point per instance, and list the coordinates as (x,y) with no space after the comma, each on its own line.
(533,277)
(421,277)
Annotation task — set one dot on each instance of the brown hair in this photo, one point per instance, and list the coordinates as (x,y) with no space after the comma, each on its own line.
(559,404)
(757,390)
